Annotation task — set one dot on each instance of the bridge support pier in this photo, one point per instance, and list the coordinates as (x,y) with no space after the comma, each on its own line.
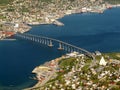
(68,49)
(44,41)
(35,39)
(40,40)
(60,47)
(65,48)
(71,50)
(32,38)
(50,43)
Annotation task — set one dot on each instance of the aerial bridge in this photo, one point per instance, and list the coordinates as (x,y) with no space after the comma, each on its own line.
(51,42)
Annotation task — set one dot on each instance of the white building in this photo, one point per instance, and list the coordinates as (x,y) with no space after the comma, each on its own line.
(16,25)
(102,61)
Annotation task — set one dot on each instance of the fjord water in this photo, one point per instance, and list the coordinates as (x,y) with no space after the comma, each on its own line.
(90,31)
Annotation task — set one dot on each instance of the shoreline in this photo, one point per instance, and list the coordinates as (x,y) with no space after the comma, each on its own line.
(24,27)
(62,24)
(59,18)
(112,6)
(50,67)
(75,12)
(54,65)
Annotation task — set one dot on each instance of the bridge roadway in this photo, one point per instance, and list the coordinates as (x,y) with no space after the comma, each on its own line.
(49,41)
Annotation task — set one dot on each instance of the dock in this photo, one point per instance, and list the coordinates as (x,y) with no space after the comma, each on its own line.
(58,23)
(8,39)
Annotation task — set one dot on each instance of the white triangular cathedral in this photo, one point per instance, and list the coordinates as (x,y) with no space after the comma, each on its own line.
(102,61)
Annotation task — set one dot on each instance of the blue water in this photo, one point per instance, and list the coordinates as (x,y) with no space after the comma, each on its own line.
(91,31)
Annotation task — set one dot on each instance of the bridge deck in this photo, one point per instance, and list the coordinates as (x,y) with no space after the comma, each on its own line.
(55,40)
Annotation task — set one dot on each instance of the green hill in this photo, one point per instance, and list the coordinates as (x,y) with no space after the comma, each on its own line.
(5,2)
(113,1)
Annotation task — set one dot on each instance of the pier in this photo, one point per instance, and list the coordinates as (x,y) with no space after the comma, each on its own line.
(51,42)
(58,23)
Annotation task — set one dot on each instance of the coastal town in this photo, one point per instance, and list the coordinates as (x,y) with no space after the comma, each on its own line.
(75,71)
(72,71)
(17,16)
